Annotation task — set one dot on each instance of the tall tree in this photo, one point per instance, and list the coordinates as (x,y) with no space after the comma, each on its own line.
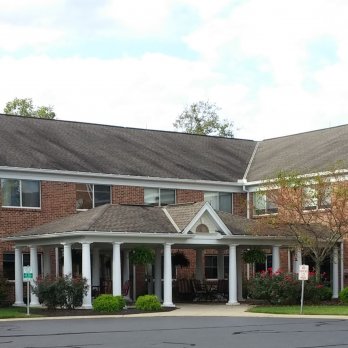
(314,210)
(25,107)
(202,118)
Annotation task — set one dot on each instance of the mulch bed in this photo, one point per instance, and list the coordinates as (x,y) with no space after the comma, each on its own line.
(89,312)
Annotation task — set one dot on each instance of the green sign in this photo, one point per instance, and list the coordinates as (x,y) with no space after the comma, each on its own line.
(27,273)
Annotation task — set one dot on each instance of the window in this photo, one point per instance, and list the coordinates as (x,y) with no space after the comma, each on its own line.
(211,268)
(314,199)
(221,201)
(264,266)
(9,264)
(263,205)
(161,197)
(90,196)
(20,193)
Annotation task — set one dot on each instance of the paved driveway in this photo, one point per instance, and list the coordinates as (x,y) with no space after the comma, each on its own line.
(175,332)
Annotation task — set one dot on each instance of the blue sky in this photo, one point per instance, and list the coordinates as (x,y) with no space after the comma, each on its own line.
(274,67)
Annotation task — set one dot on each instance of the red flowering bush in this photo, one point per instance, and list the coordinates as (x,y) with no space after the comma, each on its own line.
(285,288)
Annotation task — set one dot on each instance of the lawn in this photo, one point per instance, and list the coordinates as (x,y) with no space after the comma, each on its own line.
(309,310)
(16,312)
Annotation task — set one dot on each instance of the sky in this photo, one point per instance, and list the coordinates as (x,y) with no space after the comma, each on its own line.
(274,67)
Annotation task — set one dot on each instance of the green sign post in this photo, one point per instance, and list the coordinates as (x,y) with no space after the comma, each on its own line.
(27,277)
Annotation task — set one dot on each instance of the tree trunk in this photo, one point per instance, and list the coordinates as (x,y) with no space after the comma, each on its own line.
(317,271)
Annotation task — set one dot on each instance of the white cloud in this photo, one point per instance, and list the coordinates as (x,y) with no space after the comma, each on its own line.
(151,90)
(146,92)
(141,18)
(13,38)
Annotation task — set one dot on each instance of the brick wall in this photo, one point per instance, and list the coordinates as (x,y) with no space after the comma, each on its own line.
(189,196)
(57,200)
(127,195)
(240,204)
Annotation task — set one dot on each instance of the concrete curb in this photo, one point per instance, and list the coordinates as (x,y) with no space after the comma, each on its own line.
(196,310)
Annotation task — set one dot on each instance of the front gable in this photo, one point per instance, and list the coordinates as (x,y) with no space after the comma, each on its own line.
(206,221)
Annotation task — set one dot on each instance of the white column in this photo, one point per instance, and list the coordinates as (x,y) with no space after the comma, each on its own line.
(239,275)
(289,260)
(158,273)
(335,273)
(67,267)
(18,277)
(232,275)
(56,254)
(168,300)
(297,259)
(342,266)
(116,269)
(95,267)
(275,258)
(220,264)
(86,273)
(199,264)
(34,268)
(46,262)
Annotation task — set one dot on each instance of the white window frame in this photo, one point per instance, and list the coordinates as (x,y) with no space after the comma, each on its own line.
(263,197)
(314,200)
(159,195)
(20,206)
(93,195)
(218,193)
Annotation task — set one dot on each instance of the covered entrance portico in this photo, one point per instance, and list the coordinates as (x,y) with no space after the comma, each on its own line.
(114,230)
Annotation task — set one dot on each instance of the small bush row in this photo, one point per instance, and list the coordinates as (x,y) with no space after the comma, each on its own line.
(109,303)
(148,303)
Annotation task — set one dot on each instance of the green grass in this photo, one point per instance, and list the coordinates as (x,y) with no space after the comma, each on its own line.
(309,310)
(16,312)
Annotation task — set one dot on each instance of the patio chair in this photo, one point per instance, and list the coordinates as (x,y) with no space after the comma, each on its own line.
(199,292)
(184,289)
(222,289)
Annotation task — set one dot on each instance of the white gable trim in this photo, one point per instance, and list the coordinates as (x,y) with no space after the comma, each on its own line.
(207,208)
(171,220)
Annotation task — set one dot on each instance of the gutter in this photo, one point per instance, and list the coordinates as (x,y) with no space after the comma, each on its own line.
(119,179)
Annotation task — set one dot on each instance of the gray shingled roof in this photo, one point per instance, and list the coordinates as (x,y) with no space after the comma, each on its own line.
(141,219)
(109,218)
(182,214)
(305,153)
(71,146)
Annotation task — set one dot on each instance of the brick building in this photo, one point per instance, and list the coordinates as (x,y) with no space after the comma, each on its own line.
(76,198)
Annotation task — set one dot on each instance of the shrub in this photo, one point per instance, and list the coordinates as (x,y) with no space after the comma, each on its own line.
(148,303)
(63,292)
(343,296)
(4,288)
(285,288)
(109,303)
(315,292)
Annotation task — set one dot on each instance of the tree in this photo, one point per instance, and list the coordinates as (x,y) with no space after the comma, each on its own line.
(25,107)
(202,118)
(313,210)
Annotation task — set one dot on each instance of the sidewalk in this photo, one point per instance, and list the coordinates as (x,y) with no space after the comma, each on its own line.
(198,310)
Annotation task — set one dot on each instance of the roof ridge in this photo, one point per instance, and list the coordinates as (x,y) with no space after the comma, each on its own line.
(123,127)
(170,218)
(99,214)
(251,160)
(306,132)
